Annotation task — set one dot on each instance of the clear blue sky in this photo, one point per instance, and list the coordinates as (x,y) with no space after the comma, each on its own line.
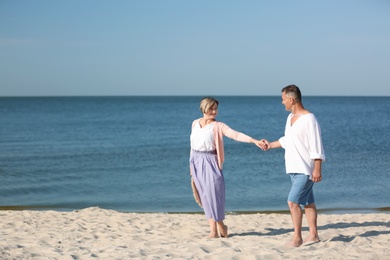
(198,47)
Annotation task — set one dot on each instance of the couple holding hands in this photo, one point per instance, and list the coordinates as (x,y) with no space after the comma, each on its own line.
(304,154)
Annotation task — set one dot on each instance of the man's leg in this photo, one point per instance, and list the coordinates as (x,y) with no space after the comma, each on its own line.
(296,215)
(311,216)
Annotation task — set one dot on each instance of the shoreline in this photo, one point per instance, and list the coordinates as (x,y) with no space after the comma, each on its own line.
(239,212)
(93,232)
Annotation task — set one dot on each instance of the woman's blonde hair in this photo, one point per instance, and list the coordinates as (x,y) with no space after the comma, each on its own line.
(206,103)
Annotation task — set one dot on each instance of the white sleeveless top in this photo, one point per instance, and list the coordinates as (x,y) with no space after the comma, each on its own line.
(202,138)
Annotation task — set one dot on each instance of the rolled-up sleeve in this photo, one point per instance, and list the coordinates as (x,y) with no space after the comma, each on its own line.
(316,149)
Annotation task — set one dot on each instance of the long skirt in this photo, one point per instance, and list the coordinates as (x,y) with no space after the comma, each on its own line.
(209,182)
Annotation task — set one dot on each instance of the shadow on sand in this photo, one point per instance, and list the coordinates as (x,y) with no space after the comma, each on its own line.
(343,238)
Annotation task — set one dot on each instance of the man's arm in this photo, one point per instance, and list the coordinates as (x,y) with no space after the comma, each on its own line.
(317,175)
(270,145)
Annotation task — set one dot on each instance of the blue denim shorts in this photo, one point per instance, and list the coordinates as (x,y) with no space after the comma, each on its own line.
(301,190)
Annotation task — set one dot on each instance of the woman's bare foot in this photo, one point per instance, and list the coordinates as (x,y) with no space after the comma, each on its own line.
(213,235)
(224,232)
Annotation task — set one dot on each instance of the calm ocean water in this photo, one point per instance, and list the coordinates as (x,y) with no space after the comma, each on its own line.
(131,153)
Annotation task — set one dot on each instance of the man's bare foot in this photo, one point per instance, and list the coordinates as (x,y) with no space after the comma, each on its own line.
(224,232)
(311,240)
(295,243)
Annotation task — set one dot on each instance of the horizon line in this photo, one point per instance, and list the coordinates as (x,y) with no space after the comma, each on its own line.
(162,95)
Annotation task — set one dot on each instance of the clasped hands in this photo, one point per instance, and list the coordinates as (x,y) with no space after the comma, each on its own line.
(263,144)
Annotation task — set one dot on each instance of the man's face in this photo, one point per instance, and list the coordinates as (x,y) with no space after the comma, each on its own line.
(287,101)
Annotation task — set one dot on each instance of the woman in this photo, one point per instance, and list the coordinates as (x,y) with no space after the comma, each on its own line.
(206,159)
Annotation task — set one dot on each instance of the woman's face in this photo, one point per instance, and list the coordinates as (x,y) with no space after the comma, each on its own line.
(212,112)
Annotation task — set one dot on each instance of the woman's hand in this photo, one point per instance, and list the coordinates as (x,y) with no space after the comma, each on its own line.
(262,144)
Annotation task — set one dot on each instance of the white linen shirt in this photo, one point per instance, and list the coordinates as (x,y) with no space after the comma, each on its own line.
(202,138)
(302,143)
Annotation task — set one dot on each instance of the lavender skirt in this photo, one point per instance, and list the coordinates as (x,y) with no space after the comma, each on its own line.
(209,182)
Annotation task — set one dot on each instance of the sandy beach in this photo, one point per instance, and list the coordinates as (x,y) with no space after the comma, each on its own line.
(95,233)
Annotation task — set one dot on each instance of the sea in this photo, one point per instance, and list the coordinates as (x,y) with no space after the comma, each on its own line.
(131,153)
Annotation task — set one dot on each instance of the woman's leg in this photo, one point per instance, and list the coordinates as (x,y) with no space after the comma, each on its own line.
(213,229)
(216,226)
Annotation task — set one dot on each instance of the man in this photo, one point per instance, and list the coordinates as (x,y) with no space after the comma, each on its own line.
(304,154)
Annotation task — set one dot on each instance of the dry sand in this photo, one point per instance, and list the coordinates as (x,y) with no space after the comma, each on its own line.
(95,233)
